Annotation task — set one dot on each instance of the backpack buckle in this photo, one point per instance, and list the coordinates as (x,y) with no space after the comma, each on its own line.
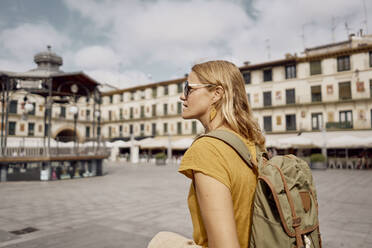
(296,221)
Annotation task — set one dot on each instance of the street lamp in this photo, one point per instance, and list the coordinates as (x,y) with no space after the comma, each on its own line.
(74,110)
(324,145)
(97,114)
(29,107)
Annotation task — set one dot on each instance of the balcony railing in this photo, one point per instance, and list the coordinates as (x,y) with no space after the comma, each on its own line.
(339,125)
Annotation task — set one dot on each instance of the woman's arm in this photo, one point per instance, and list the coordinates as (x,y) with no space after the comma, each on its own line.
(217,211)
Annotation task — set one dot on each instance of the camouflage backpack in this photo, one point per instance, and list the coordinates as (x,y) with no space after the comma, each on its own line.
(285,208)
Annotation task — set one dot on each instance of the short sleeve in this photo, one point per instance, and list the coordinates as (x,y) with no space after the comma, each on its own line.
(205,156)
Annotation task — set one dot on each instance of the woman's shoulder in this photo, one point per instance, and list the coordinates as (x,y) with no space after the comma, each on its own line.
(206,143)
(221,147)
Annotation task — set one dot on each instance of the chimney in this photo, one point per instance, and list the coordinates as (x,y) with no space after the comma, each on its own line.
(288,56)
(246,63)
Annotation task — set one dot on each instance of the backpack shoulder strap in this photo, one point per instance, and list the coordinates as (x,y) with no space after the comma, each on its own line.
(261,154)
(235,142)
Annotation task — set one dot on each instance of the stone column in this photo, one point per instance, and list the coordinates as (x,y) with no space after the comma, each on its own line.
(3,173)
(99,167)
(134,154)
(94,167)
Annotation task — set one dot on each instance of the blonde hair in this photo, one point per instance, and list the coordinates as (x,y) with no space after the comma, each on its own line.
(234,106)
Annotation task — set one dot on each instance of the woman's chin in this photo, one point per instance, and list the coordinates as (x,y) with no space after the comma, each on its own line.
(186,115)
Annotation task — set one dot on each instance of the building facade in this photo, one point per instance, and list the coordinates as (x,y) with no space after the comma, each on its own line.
(27,112)
(328,86)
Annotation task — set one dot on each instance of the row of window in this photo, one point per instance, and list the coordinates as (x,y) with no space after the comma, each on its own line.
(344,93)
(345,121)
(344,89)
(290,122)
(13,106)
(154,93)
(343,64)
(289,93)
(154,129)
(30,131)
(142,111)
(267,74)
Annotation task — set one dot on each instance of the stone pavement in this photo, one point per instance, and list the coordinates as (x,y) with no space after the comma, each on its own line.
(131,203)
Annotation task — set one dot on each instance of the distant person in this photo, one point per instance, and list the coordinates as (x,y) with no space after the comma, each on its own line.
(223,186)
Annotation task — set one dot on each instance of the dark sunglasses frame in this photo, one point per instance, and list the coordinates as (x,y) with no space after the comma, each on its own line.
(188,86)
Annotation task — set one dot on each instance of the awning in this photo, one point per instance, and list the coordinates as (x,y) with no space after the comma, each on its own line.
(182,144)
(296,141)
(176,143)
(272,139)
(153,143)
(330,139)
(122,144)
(348,141)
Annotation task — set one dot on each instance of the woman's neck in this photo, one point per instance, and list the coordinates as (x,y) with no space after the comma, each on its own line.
(216,123)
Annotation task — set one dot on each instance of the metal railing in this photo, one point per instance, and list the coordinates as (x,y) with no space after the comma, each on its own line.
(339,125)
(55,151)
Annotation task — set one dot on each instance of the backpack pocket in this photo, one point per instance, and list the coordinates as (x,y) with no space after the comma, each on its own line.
(267,229)
(266,233)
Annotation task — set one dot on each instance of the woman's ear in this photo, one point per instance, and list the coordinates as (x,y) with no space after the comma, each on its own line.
(218,94)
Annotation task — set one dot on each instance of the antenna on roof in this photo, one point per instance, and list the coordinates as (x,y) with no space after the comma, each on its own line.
(268,48)
(333,28)
(347,29)
(365,21)
(119,70)
(303,35)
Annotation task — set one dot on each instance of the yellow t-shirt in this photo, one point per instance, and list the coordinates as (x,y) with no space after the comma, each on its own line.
(215,158)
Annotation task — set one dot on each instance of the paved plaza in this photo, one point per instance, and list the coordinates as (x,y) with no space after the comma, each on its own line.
(131,203)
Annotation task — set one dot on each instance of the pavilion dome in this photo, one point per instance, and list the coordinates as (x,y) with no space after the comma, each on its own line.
(48,60)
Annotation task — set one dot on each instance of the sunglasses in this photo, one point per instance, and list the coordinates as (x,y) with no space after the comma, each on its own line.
(188,87)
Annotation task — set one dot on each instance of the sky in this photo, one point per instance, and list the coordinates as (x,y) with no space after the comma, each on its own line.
(127,43)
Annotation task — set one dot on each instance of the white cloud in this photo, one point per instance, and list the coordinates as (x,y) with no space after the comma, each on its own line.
(176,32)
(285,23)
(179,32)
(97,57)
(167,37)
(23,41)
(15,66)
(120,80)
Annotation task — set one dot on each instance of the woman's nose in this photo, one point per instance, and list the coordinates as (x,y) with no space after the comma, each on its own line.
(182,97)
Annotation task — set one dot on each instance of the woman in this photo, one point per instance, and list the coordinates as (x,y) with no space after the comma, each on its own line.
(222,189)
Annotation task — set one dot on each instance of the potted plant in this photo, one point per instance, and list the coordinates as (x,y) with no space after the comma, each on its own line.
(317,161)
(160,158)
